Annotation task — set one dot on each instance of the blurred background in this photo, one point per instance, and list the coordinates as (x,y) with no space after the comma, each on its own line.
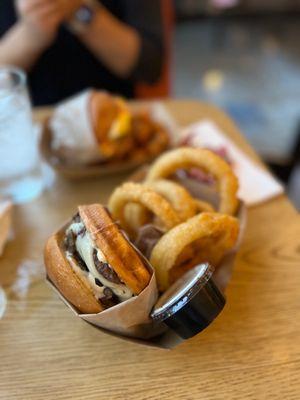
(241,55)
(244,56)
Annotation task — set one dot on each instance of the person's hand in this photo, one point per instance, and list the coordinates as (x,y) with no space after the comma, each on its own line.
(42,17)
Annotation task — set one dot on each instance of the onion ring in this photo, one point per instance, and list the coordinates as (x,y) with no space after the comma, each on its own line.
(204,237)
(177,195)
(136,216)
(179,198)
(137,193)
(186,157)
(203,206)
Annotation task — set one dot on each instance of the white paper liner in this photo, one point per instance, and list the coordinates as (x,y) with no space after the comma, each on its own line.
(72,131)
(160,114)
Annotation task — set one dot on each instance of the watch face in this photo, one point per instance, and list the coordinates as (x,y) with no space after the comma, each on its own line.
(84,14)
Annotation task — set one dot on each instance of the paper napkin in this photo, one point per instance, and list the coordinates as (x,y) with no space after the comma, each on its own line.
(255,183)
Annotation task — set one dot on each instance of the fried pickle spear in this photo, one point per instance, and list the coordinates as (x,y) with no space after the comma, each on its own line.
(185,158)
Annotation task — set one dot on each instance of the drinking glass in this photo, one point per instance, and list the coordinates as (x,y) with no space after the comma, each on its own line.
(21,176)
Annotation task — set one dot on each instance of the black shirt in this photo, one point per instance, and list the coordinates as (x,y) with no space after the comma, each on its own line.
(68,67)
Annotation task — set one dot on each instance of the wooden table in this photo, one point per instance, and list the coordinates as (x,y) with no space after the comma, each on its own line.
(252,351)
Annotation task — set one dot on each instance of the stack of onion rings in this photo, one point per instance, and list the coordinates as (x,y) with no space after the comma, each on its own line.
(193,231)
(186,157)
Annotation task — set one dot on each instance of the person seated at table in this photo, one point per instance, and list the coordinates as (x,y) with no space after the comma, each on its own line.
(69,45)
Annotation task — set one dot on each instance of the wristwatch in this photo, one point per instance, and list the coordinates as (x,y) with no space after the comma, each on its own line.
(84,16)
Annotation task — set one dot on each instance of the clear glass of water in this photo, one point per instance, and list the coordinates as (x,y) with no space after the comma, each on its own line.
(21,177)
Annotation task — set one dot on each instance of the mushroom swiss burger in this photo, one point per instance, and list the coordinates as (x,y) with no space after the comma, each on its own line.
(92,263)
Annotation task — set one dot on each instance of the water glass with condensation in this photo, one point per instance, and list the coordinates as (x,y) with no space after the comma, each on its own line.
(21,176)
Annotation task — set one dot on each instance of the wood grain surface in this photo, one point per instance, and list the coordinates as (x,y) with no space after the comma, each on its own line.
(252,351)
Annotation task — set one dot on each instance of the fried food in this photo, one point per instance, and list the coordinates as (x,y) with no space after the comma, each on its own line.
(136,215)
(182,202)
(137,193)
(185,157)
(159,140)
(97,128)
(122,132)
(206,237)
(111,121)
(202,205)
(142,127)
(180,199)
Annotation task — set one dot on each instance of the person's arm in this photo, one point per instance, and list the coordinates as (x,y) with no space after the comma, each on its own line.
(116,44)
(35,30)
(21,47)
(130,49)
